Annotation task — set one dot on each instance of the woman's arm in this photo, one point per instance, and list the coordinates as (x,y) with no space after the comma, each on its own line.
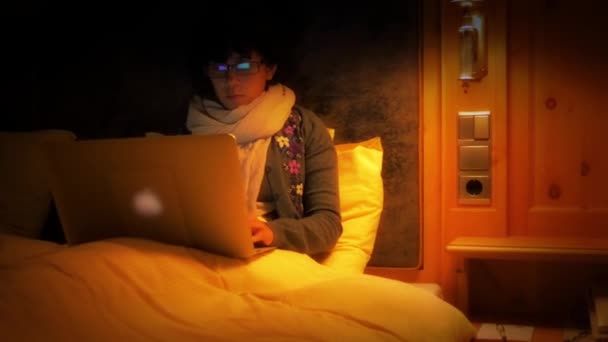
(321,225)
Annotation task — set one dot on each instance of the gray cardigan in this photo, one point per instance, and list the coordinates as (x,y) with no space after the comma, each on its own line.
(317,226)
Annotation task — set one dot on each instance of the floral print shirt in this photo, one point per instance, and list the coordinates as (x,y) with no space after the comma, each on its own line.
(290,140)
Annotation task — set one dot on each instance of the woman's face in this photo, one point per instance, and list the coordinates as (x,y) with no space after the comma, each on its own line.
(240,80)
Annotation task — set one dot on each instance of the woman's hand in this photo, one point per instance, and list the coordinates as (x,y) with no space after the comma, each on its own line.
(260,232)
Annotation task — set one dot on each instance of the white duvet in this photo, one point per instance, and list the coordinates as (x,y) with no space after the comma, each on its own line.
(139,290)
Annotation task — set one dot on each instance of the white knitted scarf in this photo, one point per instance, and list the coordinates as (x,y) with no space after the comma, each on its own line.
(253,125)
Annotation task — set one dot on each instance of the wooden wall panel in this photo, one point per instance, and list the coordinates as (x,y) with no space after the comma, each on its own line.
(557,71)
(489,93)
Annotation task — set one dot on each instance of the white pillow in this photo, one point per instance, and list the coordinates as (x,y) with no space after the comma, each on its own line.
(361,202)
(25,199)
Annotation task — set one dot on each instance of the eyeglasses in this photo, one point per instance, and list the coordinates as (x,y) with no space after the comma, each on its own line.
(220,70)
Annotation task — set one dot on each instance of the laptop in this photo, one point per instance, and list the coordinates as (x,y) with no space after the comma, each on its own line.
(183,190)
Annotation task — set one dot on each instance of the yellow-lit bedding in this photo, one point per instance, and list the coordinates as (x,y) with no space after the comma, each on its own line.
(138,290)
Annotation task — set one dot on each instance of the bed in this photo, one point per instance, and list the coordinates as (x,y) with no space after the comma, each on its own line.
(129,289)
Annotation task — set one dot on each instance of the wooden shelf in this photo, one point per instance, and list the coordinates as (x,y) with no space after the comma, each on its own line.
(527,246)
(540,260)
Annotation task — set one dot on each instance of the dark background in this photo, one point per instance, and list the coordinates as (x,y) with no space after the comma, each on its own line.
(103,69)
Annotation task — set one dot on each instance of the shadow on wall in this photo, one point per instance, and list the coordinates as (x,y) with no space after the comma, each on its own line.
(98,69)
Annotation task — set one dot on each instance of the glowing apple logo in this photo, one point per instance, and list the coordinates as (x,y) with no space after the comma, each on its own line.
(147,203)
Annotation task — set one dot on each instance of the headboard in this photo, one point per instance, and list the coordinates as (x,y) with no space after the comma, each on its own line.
(358,69)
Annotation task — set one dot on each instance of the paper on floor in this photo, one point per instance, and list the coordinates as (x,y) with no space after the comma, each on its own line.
(491,331)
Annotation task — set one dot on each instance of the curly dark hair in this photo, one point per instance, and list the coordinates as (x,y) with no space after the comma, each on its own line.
(243,34)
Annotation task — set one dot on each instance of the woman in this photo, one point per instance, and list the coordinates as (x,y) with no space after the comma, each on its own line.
(287,157)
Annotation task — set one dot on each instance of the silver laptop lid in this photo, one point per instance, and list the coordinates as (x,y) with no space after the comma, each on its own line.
(184,190)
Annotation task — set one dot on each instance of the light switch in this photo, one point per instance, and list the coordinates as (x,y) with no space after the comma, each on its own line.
(474,157)
(481,127)
(466,127)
